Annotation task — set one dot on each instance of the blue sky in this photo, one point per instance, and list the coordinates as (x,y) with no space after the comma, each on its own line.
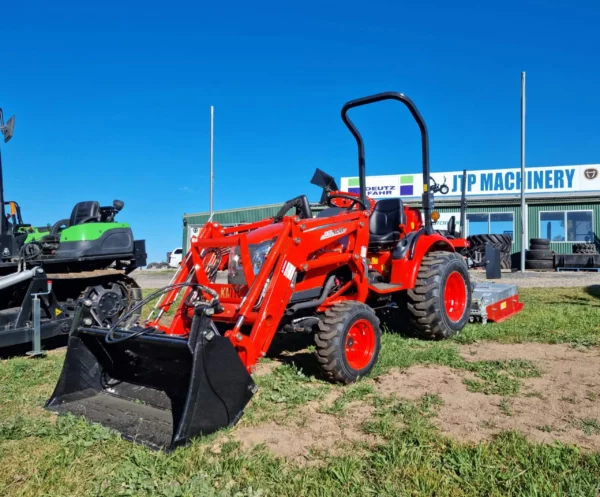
(112,98)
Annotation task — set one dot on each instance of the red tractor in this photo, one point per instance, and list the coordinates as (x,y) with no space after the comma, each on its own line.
(161,383)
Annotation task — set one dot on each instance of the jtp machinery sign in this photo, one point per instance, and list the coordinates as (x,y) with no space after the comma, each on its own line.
(555,179)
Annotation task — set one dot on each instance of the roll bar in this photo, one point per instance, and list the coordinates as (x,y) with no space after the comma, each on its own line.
(391,95)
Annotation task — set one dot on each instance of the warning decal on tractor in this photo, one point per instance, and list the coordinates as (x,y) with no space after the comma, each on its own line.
(288,270)
(58,312)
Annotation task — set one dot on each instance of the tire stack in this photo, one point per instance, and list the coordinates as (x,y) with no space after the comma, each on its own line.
(502,242)
(584,248)
(539,256)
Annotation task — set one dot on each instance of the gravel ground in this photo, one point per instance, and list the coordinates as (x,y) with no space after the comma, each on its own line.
(530,279)
(538,279)
(149,278)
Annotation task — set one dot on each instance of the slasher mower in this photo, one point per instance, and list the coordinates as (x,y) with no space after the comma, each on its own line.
(161,383)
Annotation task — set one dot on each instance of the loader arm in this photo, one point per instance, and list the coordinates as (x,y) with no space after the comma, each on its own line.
(259,305)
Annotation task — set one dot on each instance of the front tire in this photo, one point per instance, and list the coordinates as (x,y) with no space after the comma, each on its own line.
(348,341)
(440,304)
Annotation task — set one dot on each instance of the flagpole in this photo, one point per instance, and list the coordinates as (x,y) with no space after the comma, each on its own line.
(523,178)
(212,172)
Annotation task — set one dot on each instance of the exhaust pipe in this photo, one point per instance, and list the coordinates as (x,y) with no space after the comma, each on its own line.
(155,389)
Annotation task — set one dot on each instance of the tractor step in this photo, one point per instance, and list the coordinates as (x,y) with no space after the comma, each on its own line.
(385,287)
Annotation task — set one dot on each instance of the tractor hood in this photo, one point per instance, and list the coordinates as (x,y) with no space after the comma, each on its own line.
(265,233)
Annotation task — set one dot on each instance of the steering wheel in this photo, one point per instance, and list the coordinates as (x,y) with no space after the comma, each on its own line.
(353,201)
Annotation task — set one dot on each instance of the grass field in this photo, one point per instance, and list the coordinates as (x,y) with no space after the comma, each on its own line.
(394,445)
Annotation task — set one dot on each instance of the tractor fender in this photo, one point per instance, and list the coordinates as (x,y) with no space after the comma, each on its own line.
(406,268)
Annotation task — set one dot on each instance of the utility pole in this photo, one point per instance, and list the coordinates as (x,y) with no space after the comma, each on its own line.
(523,178)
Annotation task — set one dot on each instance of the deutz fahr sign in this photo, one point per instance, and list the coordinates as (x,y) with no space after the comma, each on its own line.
(555,179)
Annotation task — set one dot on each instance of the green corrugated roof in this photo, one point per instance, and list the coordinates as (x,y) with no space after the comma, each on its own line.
(240,209)
(242,215)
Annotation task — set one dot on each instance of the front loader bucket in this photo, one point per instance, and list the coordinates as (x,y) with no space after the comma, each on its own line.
(154,389)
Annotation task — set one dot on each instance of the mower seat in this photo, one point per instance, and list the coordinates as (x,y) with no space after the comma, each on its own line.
(84,212)
(384,223)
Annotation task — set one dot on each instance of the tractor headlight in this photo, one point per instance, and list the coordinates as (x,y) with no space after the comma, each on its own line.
(258,256)
(235,271)
(259,253)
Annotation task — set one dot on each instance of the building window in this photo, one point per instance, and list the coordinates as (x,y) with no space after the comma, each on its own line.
(567,226)
(499,223)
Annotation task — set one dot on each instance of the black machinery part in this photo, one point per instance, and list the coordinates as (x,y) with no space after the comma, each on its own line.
(155,389)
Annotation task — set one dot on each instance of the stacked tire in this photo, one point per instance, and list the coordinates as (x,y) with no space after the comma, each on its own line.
(584,248)
(502,242)
(539,256)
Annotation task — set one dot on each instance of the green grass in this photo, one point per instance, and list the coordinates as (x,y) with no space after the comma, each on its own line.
(589,426)
(551,315)
(44,455)
(150,305)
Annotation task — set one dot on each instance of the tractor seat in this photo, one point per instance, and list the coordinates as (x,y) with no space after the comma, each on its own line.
(384,223)
(84,212)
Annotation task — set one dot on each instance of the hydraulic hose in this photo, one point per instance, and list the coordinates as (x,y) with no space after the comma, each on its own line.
(314,303)
(110,338)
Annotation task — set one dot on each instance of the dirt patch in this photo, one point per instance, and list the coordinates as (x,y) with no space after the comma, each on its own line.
(563,404)
(311,433)
(414,382)
(536,352)
(264,368)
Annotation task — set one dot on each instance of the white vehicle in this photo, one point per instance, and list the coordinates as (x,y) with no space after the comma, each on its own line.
(174,258)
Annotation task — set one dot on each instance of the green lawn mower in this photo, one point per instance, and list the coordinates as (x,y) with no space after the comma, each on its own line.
(45,271)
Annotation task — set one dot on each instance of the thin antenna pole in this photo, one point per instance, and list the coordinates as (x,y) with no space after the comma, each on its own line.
(212,150)
(523,178)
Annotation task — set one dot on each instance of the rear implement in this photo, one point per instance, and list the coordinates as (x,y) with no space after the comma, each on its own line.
(494,302)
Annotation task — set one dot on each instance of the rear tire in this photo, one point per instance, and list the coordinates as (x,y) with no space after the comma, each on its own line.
(505,260)
(502,242)
(348,341)
(584,248)
(539,255)
(440,304)
(535,246)
(540,241)
(540,265)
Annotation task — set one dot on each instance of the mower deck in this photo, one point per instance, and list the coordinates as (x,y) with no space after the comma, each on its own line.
(494,302)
